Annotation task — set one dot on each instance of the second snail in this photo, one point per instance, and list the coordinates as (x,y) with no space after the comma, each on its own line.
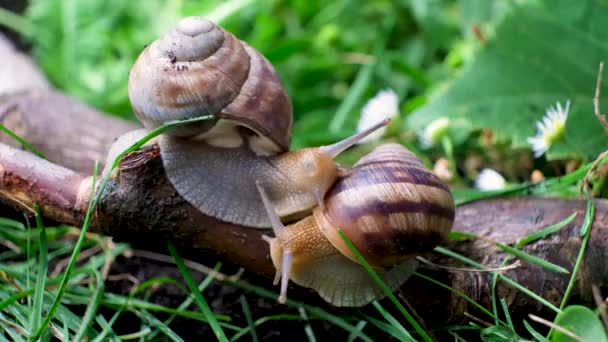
(236,168)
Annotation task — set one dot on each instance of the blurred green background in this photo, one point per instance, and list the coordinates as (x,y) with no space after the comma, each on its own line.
(319,48)
(492,67)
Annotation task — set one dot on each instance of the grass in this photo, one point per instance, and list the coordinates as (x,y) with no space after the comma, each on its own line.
(331,67)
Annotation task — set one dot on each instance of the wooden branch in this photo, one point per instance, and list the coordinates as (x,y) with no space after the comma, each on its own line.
(66,131)
(140,204)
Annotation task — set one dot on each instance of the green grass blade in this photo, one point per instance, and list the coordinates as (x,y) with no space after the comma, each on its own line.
(202,303)
(545,231)
(89,313)
(227,9)
(93,201)
(19,139)
(318,312)
(505,310)
(128,300)
(388,328)
(15,297)
(359,328)
(248,318)
(260,321)
(467,196)
(586,228)
(71,264)
(522,242)
(425,336)
(186,303)
(460,294)
(539,337)
(16,22)
(5,222)
(155,322)
(532,259)
(403,335)
(41,275)
(310,334)
(508,280)
(352,97)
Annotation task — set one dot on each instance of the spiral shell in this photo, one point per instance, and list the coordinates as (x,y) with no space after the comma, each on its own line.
(390,206)
(196,69)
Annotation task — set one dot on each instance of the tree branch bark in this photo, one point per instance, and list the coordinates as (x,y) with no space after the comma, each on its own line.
(140,202)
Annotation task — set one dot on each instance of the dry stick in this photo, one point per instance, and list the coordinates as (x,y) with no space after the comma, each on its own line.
(556,327)
(191,264)
(87,253)
(514,265)
(107,246)
(596,100)
(602,118)
(601,305)
(477,319)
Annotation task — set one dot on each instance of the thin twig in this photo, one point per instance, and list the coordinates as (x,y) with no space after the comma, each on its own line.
(56,332)
(596,100)
(586,186)
(191,264)
(601,304)
(107,245)
(556,327)
(123,276)
(516,264)
(10,245)
(10,280)
(477,319)
(87,253)
(16,327)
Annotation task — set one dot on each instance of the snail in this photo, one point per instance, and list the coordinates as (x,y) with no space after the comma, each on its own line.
(197,68)
(389,205)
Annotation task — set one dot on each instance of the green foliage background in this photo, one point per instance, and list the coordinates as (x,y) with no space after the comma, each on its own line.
(319,48)
(333,56)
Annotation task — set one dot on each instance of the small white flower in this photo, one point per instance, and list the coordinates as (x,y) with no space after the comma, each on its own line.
(550,129)
(489,180)
(432,134)
(384,105)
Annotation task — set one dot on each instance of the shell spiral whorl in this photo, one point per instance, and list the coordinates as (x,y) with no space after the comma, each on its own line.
(197,68)
(390,206)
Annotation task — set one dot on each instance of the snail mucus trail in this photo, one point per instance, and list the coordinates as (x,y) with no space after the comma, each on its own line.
(197,68)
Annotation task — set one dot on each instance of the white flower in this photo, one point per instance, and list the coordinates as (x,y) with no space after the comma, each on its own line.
(384,105)
(550,129)
(432,134)
(489,179)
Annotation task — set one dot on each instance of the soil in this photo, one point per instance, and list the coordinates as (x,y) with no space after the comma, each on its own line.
(224,300)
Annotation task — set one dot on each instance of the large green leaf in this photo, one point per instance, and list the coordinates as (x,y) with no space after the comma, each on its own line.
(581,321)
(542,52)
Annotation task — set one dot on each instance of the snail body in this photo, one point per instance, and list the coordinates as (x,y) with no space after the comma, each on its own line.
(198,69)
(389,205)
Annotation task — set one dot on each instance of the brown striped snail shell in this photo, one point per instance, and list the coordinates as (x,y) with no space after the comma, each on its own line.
(198,69)
(389,205)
